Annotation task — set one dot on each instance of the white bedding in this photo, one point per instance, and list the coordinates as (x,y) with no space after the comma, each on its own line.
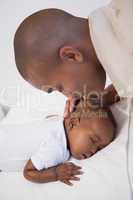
(105,174)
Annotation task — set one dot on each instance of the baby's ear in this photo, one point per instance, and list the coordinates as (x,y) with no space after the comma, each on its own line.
(74,121)
(71,122)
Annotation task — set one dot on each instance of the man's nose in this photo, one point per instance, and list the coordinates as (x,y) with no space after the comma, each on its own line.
(84,156)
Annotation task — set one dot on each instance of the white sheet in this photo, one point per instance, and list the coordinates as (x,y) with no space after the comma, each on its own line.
(105,174)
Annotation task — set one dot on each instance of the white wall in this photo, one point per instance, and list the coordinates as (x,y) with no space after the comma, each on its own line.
(12,12)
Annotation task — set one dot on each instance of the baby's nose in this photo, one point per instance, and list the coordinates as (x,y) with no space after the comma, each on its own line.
(93,151)
(89,153)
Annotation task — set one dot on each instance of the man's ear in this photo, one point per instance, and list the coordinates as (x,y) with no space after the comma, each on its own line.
(71,54)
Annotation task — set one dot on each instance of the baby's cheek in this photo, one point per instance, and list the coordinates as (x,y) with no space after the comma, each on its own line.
(76,152)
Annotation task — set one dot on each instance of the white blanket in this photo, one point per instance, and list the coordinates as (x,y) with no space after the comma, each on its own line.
(105,174)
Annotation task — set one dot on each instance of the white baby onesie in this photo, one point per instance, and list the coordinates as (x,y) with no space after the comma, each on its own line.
(20,142)
(53,149)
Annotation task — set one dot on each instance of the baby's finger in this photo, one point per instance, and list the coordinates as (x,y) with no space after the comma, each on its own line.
(74,178)
(67,182)
(77,167)
(77,172)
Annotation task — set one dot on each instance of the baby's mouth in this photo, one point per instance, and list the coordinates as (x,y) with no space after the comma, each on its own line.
(84,156)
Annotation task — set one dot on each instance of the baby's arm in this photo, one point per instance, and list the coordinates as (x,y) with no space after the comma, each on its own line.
(65,173)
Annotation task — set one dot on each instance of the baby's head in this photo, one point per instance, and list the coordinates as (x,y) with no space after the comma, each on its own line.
(89,131)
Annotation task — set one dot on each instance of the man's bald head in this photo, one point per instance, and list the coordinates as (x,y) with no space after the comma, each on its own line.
(39,43)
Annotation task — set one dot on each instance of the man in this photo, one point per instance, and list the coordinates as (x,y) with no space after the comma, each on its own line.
(76,49)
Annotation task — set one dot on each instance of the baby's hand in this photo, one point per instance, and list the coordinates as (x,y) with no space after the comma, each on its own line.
(67,172)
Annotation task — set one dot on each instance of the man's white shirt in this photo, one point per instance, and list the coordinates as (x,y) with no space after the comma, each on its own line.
(111,30)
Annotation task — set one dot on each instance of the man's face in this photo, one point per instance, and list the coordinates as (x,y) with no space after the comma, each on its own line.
(68,78)
(88,136)
(77,79)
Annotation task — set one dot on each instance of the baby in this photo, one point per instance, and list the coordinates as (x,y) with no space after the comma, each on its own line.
(81,135)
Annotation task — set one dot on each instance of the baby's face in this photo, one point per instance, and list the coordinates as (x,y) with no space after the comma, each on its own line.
(87,136)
